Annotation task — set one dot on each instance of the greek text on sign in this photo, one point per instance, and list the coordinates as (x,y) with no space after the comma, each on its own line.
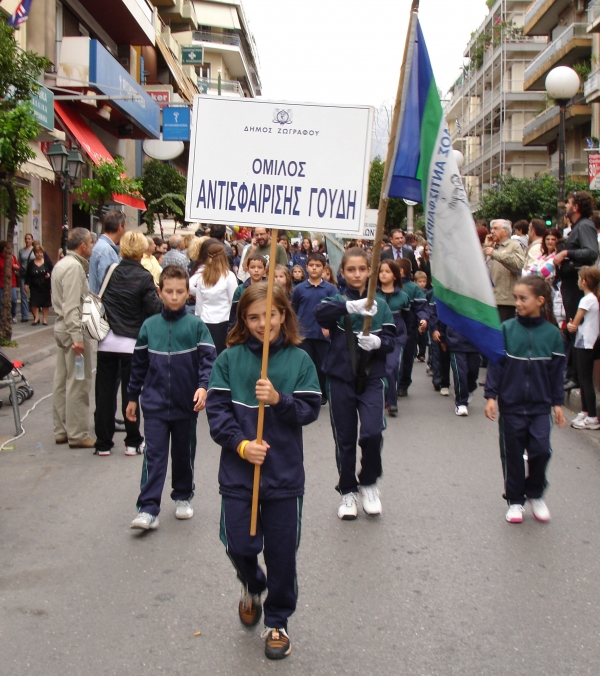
(282,165)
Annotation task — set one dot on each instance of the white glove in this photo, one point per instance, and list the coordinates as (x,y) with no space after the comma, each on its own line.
(359,307)
(369,343)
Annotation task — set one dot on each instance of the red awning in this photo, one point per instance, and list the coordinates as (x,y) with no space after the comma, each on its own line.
(92,146)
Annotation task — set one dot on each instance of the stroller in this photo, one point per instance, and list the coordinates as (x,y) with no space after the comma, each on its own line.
(17,382)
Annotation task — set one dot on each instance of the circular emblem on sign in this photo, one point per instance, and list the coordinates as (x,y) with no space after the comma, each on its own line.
(281,116)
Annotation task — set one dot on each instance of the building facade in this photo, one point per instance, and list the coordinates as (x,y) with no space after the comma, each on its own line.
(488,107)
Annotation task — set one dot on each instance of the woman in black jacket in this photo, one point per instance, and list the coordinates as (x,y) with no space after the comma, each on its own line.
(130,297)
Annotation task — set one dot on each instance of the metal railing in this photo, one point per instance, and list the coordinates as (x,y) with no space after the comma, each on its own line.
(593,11)
(575,30)
(217,38)
(204,84)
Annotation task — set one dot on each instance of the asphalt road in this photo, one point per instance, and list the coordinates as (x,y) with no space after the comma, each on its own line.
(439,584)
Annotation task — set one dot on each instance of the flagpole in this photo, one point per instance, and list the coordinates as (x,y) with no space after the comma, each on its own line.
(383,198)
(263,375)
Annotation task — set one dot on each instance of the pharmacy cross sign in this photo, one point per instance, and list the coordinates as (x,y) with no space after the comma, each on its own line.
(192,56)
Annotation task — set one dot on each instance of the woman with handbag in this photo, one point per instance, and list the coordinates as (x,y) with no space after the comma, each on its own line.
(129,298)
(37,278)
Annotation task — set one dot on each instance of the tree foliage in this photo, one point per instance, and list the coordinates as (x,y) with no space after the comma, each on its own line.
(19,71)
(516,198)
(163,188)
(396,211)
(109,179)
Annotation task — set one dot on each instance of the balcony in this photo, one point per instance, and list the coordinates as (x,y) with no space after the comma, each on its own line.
(542,16)
(572,168)
(591,87)
(182,15)
(544,128)
(127,22)
(575,43)
(229,88)
(594,17)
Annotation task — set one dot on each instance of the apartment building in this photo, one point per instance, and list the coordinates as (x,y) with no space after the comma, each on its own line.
(564,23)
(116,63)
(488,106)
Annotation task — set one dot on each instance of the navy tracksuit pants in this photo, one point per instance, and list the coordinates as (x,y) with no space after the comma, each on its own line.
(408,358)
(345,407)
(278,537)
(392,373)
(158,433)
(520,433)
(317,351)
(465,369)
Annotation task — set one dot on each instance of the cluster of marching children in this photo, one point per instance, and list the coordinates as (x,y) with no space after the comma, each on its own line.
(318,353)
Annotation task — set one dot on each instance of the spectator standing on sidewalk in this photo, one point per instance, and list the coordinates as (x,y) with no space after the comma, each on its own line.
(25,257)
(71,401)
(176,254)
(150,262)
(507,258)
(106,249)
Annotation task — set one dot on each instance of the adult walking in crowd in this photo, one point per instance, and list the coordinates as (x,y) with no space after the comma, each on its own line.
(301,256)
(12,260)
(37,280)
(129,299)
(150,262)
(261,245)
(176,254)
(70,396)
(106,249)
(506,257)
(580,249)
(213,285)
(537,230)
(24,257)
(218,232)
(399,250)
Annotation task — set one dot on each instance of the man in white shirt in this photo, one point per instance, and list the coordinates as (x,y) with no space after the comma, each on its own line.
(537,230)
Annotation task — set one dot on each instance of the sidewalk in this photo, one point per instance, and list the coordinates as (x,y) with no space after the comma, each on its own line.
(34,342)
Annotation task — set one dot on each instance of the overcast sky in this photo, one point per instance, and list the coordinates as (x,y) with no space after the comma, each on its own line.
(346,51)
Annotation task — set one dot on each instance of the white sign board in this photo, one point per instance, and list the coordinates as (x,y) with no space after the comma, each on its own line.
(294,166)
(369,227)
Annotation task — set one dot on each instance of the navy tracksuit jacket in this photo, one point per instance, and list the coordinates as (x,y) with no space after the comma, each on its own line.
(345,404)
(418,311)
(464,360)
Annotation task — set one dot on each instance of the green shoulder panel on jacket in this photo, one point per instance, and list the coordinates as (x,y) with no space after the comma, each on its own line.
(412,290)
(238,293)
(237,369)
(383,316)
(397,301)
(183,335)
(523,342)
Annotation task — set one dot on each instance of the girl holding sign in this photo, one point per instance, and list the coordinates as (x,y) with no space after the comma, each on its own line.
(292,397)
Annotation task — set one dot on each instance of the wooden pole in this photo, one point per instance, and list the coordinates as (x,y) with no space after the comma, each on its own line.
(263,374)
(383,199)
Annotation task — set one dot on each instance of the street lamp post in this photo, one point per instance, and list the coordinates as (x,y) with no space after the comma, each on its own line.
(562,84)
(67,165)
(410,215)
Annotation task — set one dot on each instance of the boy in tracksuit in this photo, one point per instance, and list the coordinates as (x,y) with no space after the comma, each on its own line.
(464,360)
(416,321)
(170,370)
(307,295)
(355,366)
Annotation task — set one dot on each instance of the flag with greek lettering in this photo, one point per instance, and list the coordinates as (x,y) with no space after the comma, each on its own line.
(425,170)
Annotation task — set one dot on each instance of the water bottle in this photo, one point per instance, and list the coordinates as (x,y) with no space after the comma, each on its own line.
(79,368)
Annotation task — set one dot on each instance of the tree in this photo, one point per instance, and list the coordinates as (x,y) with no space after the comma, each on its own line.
(516,198)
(109,179)
(19,71)
(163,188)
(396,211)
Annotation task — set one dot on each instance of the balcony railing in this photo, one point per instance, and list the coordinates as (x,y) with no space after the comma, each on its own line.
(229,86)
(575,30)
(591,87)
(593,12)
(218,38)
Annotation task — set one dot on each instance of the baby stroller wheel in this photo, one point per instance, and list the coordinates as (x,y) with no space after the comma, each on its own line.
(29,390)
(24,393)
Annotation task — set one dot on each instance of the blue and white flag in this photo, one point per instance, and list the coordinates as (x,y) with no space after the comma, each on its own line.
(21,14)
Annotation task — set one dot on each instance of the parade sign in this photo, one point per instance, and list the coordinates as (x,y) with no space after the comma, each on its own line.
(282,165)
(594,170)
(369,226)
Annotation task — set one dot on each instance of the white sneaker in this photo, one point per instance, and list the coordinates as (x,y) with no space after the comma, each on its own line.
(580,417)
(587,424)
(461,410)
(183,509)
(132,450)
(348,509)
(515,514)
(145,521)
(539,509)
(371,503)
(445,391)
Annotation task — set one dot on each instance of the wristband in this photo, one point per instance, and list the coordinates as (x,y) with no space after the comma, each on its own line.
(242,449)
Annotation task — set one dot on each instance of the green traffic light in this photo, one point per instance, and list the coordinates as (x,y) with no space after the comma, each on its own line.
(548,222)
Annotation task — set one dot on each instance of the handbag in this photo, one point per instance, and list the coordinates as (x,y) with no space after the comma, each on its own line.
(94,323)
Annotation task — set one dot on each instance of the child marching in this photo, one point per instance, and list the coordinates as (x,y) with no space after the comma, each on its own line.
(355,367)
(526,387)
(292,399)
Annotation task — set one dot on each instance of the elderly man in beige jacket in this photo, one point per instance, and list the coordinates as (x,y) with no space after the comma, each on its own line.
(71,397)
(507,259)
